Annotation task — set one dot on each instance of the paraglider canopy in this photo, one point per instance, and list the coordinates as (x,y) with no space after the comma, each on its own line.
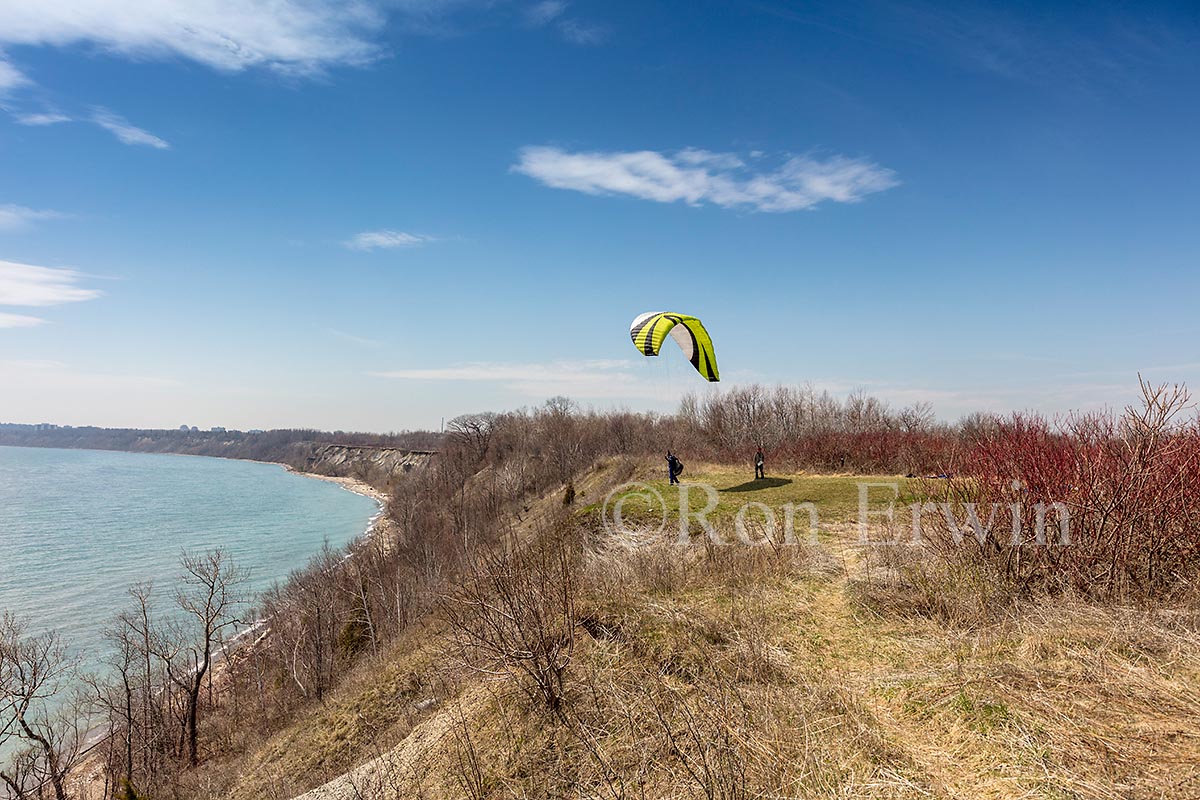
(650,330)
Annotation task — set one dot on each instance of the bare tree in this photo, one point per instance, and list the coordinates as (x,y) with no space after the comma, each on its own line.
(917,417)
(117,700)
(562,437)
(36,710)
(473,432)
(305,615)
(135,693)
(210,596)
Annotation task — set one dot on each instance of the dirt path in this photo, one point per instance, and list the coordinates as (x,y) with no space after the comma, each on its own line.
(1013,705)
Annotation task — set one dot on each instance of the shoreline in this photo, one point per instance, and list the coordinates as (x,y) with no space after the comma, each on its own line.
(353,485)
(88,774)
(377,525)
(349,484)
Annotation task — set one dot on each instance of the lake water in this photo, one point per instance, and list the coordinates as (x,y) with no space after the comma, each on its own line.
(79,527)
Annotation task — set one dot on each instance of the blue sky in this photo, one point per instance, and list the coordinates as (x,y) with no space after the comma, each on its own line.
(373,214)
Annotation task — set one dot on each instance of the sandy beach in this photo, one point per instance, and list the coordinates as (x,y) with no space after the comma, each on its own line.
(349,484)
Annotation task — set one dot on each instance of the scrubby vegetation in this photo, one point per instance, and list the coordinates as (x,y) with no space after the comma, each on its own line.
(499,638)
(1129,484)
(801,428)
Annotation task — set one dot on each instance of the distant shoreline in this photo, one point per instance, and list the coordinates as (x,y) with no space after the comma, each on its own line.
(377,464)
(374,458)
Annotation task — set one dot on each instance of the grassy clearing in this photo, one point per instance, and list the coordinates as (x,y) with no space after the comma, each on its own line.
(836,498)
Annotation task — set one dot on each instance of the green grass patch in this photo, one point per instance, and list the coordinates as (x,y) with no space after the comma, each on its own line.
(722,494)
(982,715)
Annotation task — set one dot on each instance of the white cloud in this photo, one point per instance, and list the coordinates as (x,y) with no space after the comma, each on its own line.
(13,217)
(588,378)
(575,31)
(292,36)
(45,118)
(10,76)
(28,285)
(126,133)
(578,32)
(18,321)
(695,157)
(386,239)
(545,12)
(699,176)
(361,341)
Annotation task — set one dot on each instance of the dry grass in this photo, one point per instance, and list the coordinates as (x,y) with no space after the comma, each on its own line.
(375,708)
(831,670)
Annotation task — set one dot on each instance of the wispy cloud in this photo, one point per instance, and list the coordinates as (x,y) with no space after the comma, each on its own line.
(699,176)
(545,12)
(126,133)
(28,285)
(1055,50)
(18,321)
(41,119)
(588,378)
(291,36)
(14,217)
(361,341)
(32,286)
(584,33)
(10,77)
(386,240)
(552,14)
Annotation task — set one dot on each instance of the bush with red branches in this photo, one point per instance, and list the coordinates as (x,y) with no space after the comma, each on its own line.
(1107,506)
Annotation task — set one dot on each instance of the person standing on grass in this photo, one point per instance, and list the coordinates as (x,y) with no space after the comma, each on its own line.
(760,461)
(673,467)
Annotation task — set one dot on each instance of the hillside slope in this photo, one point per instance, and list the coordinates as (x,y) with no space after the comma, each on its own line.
(834,669)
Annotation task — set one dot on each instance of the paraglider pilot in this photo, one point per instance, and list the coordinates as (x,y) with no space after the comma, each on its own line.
(673,467)
(759,465)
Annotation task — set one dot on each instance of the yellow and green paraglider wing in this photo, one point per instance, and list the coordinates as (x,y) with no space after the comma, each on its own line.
(649,331)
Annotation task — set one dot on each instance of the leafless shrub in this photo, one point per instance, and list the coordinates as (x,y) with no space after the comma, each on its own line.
(1107,507)
(514,616)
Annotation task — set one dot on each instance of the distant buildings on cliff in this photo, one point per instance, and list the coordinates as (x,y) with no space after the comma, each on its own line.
(216,429)
(50,426)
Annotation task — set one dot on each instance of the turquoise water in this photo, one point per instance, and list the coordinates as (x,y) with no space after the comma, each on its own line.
(79,527)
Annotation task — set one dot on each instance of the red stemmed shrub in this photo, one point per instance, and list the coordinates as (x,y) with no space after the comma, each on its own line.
(1130,484)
